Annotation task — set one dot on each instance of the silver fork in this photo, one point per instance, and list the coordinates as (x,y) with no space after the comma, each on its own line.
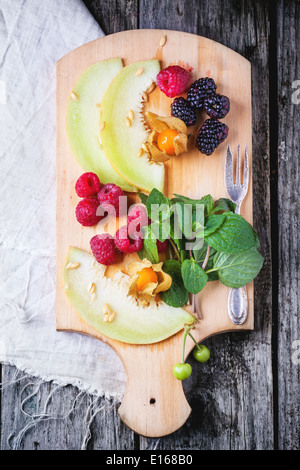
(237,298)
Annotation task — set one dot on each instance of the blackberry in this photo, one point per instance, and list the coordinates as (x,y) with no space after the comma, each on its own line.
(199,90)
(210,135)
(216,106)
(181,109)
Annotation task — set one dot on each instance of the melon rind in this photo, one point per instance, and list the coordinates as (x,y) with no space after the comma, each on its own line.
(83,121)
(122,143)
(132,324)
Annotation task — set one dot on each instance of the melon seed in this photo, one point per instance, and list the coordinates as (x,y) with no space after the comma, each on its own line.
(91,288)
(108,314)
(163,41)
(139,71)
(73,266)
(151,88)
(145,148)
(102,125)
(74,96)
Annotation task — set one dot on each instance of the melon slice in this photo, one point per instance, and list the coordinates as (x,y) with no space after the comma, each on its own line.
(83,114)
(122,143)
(132,323)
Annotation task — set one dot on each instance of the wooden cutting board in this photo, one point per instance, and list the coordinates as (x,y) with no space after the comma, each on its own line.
(154,403)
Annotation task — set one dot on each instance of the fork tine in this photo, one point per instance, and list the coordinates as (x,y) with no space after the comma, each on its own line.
(228,168)
(246,170)
(238,166)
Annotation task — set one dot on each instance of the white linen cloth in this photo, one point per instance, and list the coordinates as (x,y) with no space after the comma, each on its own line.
(34,34)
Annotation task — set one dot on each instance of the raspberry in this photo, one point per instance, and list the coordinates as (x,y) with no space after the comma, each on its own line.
(86,212)
(181,109)
(162,246)
(211,134)
(126,243)
(87,185)
(108,198)
(137,218)
(199,90)
(103,248)
(216,106)
(173,80)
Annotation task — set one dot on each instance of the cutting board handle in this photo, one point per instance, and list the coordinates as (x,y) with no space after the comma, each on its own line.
(154,403)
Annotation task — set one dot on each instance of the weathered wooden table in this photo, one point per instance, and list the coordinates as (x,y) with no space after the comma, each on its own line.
(248,395)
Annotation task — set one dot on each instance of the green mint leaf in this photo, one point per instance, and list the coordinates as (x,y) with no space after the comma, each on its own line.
(194,278)
(143,197)
(238,269)
(143,253)
(207,201)
(200,255)
(235,235)
(183,219)
(160,230)
(213,222)
(149,249)
(225,205)
(177,295)
(213,276)
(158,206)
(179,240)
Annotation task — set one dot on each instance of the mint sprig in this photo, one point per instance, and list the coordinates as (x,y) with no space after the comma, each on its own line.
(218,244)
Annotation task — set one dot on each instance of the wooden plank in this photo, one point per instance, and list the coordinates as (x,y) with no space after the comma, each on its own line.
(67,425)
(231,395)
(289,224)
(192,175)
(115,15)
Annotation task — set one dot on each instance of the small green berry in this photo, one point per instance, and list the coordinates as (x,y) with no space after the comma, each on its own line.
(182,371)
(201,353)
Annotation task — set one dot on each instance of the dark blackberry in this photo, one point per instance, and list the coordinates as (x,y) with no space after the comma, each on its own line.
(210,135)
(199,90)
(216,106)
(181,109)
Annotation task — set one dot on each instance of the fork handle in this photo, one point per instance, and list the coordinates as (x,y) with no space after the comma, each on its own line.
(238,305)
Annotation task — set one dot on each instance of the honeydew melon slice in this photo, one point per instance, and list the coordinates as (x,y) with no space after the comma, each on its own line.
(83,115)
(132,323)
(122,143)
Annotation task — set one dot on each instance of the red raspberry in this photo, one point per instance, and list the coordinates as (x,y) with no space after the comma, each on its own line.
(137,218)
(87,185)
(108,198)
(103,248)
(86,212)
(173,80)
(162,246)
(126,243)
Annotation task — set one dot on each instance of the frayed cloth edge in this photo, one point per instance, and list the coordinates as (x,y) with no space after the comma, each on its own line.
(81,385)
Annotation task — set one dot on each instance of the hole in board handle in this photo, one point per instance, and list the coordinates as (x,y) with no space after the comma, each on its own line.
(152,401)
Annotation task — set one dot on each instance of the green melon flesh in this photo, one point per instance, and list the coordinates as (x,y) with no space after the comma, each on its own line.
(122,143)
(83,121)
(132,324)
